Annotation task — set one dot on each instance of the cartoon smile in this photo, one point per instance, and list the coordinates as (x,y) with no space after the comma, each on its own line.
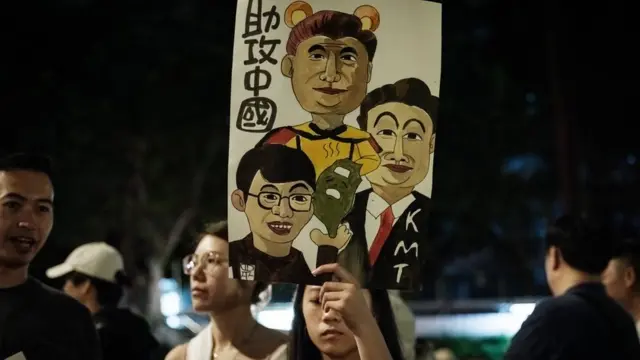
(329,90)
(280,227)
(398,168)
(333,193)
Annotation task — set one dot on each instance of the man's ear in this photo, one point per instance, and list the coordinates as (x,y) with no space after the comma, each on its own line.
(630,277)
(237,200)
(369,71)
(432,144)
(556,257)
(85,287)
(286,66)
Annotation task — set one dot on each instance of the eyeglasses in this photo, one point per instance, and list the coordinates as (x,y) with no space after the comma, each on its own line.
(211,262)
(297,202)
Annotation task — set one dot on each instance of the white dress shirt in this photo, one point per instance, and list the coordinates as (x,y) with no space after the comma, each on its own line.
(376,205)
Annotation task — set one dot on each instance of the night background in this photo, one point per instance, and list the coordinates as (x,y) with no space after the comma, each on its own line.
(131,99)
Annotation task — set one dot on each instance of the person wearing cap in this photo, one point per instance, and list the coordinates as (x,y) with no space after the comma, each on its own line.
(36,322)
(94,275)
(621,278)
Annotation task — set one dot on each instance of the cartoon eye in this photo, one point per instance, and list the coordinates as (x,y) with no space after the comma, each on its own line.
(268,197)
(316,56)
(349,57)
(300,198)
(386,132)
(412,136)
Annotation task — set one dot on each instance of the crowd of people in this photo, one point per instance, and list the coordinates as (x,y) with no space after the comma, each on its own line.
(592,314)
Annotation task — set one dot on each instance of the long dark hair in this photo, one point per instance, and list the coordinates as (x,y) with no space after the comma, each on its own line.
(302,348)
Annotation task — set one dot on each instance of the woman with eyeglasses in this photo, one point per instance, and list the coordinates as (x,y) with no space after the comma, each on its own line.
(233,333)
(340,320)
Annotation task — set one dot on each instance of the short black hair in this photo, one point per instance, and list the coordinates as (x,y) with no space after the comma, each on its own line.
(586,244)
(410,91)
(108,294)
(27,161)
(220,229)
(628,250)
(277,163)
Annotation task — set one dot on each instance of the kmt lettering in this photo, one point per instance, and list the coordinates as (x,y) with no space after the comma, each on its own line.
(399,268)
(409,221)
(413,246)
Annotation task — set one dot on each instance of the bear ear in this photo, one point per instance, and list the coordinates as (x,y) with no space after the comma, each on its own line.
(296,12)
(369,16)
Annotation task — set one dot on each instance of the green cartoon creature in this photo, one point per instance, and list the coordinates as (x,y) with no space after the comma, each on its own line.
(335,193)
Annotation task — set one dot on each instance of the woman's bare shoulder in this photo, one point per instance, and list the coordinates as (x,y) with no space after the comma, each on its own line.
(177,353)
(273,336)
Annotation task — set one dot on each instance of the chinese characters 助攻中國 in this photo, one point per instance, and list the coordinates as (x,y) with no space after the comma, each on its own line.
(258,113)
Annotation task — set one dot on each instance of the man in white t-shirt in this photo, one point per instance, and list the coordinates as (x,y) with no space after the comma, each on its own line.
(622,277)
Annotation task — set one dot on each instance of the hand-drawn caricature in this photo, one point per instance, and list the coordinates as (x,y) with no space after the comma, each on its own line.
(335,193)
(389,221)
(329,61)
(302,72)
(275,186)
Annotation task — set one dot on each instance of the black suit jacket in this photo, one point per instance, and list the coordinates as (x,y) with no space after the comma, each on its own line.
(401,260)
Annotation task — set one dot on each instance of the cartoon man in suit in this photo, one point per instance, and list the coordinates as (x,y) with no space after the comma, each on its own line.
(389,221)
(329,61)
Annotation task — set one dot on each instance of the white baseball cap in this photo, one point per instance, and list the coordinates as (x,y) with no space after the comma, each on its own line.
(97,259)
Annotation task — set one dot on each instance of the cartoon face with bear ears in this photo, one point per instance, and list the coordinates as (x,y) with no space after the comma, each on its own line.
(329,57)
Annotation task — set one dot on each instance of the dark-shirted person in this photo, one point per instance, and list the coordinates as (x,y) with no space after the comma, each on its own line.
(94,275)
(581,321)
(622,277)
(36,322)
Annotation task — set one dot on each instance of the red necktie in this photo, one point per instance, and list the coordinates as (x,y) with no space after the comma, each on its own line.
(386,223)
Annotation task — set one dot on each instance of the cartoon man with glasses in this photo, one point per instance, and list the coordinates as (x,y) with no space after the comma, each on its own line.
(275,186)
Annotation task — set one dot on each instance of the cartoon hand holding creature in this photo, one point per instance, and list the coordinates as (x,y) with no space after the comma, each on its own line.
(333,201)
(339,241)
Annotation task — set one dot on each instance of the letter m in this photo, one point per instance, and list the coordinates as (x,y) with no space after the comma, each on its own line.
(414,246)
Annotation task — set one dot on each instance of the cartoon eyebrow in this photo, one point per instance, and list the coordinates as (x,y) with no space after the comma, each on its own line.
(316,47)
(268,187)
(342,171)
(414,120)
(299,185)
(386,113)
(22,198)
(348,50)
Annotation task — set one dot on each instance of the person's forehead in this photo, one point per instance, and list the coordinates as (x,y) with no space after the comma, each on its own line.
(331,44)
(259,183)
(29,184)
(402,112)
(210,243)
(620,262)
